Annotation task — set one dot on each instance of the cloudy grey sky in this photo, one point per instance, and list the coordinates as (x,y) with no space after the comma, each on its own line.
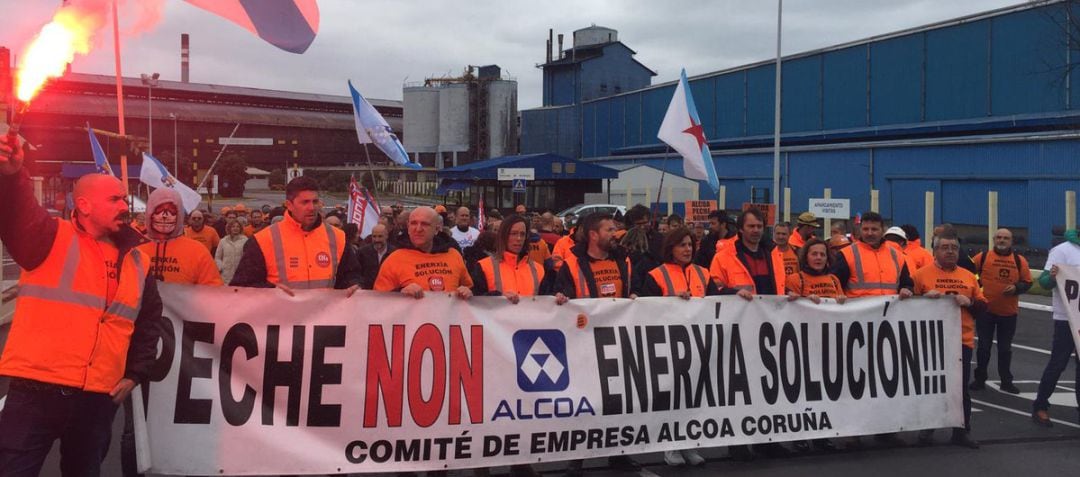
(379,44)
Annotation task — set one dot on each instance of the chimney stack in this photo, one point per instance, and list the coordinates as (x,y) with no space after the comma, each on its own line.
(184,57)
(550,42)
(560,45)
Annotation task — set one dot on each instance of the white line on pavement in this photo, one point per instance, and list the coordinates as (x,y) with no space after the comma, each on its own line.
(1035,306)
(2,399)
(1021,413)
(647,473)
(1026,348)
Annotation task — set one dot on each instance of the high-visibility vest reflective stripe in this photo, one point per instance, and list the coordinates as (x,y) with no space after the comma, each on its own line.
(729,272)
(65,330)
(496,272)
(669,287)
(274,239)
(582,285)
(859,283)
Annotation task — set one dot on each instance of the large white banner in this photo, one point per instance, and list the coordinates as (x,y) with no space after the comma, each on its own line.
(1068,290)
(251,381)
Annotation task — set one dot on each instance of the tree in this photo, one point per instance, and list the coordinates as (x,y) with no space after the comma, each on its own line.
(232,174)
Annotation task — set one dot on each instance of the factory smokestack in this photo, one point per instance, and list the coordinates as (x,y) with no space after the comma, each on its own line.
(560,45)
(184,57)
(550,43)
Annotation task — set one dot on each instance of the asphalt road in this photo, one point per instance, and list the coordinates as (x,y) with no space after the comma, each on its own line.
(1011,443)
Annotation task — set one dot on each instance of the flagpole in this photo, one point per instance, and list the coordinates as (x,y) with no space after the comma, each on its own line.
(371,169)
(222,151)
(663,172)
(776,121)
(119,93)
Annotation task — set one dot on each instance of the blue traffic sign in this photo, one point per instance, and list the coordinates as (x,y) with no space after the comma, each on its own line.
(519,186)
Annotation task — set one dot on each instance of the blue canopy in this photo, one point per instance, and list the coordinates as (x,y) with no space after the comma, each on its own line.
(546,167)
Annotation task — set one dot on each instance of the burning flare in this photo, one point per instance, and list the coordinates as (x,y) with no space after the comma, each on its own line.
(70,32)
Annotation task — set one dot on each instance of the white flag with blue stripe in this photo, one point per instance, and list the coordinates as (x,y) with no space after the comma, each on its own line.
(154,174)
(372,128)
(682,131)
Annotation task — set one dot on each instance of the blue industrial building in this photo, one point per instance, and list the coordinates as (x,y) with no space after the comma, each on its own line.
(982,103)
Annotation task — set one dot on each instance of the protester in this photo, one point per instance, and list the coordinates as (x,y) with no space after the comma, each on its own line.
(538,248)
(836,244)
(675,221)
(897,238)
(218,223)
(483,247)
(300,251)
(946,279)
(562,249)
(255,224)
(548,231)
(965,261)
(1004,276)
(175,258)
(71,357)
(596,268)
(426,263)
(699,232)
(641,217)
(679,276)
(715,239)
(662,228)
(509,271)
(373,253)
(230,250)
(914,249)
(139,224)
(1062,346)
(199,232)
(462,232)
(804,229)
(333,221)
(749,267)
(788,253)
(642,261)
(812,279)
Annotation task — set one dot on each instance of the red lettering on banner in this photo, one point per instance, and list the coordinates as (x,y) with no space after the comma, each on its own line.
(382,375)
(426,411)
(467,374)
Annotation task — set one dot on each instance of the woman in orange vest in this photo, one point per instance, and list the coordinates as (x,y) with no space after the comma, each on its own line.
(813,279)
(509,271)
(678,276)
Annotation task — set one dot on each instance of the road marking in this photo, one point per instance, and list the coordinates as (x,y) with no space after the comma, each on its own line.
(1025,348)
(647,473)
(2,399)
(1036,306)
(1021,413)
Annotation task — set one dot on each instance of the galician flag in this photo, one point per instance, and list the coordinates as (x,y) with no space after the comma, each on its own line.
(682,131)
(154,174)
(372,128)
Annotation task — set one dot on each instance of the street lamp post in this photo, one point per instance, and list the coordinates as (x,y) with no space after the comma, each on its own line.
(176,146)
(150,81)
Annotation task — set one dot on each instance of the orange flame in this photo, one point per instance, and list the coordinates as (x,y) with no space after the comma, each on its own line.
(47,56)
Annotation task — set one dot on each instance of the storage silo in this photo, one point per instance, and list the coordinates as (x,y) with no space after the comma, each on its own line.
(502,118)
(421,118)
(454,117)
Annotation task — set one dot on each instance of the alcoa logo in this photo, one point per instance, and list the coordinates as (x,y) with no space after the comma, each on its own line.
(541,360)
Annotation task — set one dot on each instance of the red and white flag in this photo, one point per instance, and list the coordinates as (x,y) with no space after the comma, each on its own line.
(363,209)
(480,218)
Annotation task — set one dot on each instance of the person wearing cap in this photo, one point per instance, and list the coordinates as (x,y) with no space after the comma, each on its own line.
(914,248)
(836,244)
(804,229)
(896,237)
(440,209)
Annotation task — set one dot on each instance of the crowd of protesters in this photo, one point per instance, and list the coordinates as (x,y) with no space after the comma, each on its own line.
(518,255)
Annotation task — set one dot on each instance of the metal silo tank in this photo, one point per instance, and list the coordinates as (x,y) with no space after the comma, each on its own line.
(454,117)
(502,118)
(421,119)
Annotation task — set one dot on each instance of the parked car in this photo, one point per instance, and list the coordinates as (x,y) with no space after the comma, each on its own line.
(582,210)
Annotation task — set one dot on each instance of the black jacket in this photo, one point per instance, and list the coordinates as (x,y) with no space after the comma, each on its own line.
(370,263)
(28,232)
(564,282)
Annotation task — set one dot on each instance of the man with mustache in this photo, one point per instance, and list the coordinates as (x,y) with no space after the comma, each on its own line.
(86,321)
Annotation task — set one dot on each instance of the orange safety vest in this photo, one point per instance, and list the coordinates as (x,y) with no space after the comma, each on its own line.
(873,271)
(512,275)
(65,330)
(310,258)
(693,278)
(581,285)
(562,249)
(729,272)
(790,259)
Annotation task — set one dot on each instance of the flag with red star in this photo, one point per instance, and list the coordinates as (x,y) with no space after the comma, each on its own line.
(682,131)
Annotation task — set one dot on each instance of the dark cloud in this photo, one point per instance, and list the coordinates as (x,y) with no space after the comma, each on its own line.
(379,44)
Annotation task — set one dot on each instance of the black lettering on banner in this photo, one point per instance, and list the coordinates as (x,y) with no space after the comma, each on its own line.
(770,384)
(856,385)
(924,344)
(162,363)
(941,352)
(871,373)
(813,388)
(681,362)
(607,368)
(634,370)
(288,374)
(889,377)
(704,349)
(1072,290)
(188,410)
(791,384)
(654,336)
(909,359)
(834,382)
(740,383)
(237,412)
(322,374)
